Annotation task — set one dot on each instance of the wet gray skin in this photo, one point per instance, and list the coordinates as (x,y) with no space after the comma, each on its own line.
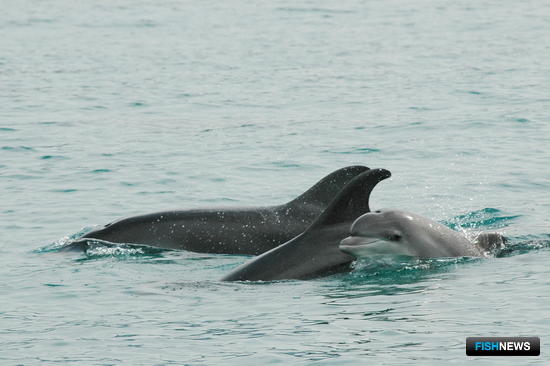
(315,252)
(244,230)
(400,232)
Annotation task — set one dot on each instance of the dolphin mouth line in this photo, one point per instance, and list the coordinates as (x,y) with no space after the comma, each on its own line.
(357,241)
(363,246)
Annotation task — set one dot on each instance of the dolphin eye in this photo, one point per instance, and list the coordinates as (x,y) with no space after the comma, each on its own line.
(394,237)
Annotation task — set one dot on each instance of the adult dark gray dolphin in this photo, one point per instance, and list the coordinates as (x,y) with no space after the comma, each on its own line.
(249,230)
(315,252)
(400,232)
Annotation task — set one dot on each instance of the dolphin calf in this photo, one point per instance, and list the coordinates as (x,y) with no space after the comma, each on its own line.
(248,230)
(399,232)
(315,252)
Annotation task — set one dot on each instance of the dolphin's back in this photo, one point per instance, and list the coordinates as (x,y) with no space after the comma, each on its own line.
(251,230)
(229,231)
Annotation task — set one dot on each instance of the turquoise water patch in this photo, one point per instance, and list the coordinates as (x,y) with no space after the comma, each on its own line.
(50,157)
(354,150)
(99,171)
(487,219)
(17,148)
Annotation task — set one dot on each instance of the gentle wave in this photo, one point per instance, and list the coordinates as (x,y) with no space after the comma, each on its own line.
(486,218)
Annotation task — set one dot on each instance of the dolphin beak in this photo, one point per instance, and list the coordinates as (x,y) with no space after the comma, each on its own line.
(355,241)
(351,241)
(353,244)
(362,246)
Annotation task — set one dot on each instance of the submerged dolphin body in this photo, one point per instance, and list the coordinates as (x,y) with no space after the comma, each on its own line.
(249,230)
(404,233)
(315,252)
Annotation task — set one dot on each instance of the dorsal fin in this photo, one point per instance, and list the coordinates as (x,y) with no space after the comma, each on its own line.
(353,200)
(324,191)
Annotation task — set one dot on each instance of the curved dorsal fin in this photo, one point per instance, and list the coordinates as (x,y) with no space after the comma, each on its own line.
(324,191)
(353,200)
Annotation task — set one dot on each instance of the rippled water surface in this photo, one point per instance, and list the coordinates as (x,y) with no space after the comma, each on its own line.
(111,109)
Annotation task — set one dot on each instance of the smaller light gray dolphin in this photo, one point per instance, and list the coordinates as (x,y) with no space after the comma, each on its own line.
(399,232)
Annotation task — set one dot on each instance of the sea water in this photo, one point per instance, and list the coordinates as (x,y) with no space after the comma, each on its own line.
(116,108)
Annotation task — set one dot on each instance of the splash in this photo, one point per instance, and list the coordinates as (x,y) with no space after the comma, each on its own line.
(94,248)
(485,219)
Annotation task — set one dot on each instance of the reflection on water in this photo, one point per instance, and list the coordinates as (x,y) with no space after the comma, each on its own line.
(395,275)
